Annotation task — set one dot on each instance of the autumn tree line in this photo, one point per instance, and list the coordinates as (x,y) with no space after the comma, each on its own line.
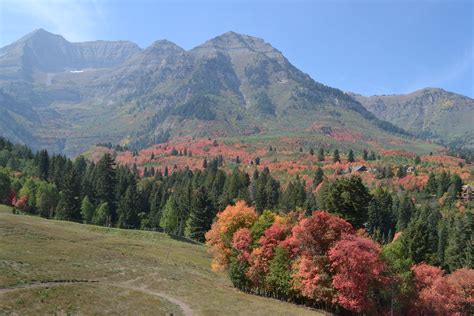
(187,203)
(324,261)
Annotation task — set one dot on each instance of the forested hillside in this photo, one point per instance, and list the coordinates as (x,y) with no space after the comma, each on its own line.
(399,223)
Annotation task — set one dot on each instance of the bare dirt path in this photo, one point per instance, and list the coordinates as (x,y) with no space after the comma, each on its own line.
(187,311)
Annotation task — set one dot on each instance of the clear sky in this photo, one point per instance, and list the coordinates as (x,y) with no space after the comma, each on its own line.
(369,47)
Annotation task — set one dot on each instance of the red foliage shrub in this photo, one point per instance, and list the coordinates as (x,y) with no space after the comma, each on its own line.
(242,241)
(21,203)
(463,281)
(316,234)
(434,293)
(261,256)
(357,268)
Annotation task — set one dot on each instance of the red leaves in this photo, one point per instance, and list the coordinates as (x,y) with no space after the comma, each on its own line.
(357,267)
(441,294)
(312,279)
(242,241)
(261,256)
(21,203)
(462,280)
(316,234)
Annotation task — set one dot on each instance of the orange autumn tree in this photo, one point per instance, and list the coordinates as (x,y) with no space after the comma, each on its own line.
(220,236)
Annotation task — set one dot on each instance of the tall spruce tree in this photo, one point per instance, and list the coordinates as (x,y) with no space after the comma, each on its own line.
(350,156)
(318,177)
(335,156)
(43,164)
(127,208)
(201,215)
(106,183)
(321,154)
(69,206)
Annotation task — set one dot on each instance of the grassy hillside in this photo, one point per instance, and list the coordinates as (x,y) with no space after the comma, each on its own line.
(61,267)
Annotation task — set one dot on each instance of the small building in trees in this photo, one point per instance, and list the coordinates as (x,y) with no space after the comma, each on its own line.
(411,169)
(356,169)
(467,192)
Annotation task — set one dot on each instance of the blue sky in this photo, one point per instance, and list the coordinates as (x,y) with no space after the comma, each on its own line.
(369,47)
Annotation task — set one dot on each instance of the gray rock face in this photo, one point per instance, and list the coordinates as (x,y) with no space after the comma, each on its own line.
(46,52)
(67,96)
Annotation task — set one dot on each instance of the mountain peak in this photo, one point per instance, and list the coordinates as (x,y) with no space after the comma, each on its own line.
(41,34)
(236,44)
(165,45)
(233,40)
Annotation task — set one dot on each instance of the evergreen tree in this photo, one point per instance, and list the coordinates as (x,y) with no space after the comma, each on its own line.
(155,206)
(432,184)
(365,155)
(381,220)
(442,243)
(458,241)
(456,181)
(443,183)
(69,207)
(318,177)
(335,156)
(80,164)
(417,160)
(200,217)
(347,197)
(311,151)
(421,237)
(5,187)
(127,208)
(43,164)
(106,183)
(405,211)
(321,154)
(350,156)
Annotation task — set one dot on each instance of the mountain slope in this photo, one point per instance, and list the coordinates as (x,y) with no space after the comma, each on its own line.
(41,51)
(430,113)
(233,85)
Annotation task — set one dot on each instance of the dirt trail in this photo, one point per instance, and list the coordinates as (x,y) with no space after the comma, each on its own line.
(187,311)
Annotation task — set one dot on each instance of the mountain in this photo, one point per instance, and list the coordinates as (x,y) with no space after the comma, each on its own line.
(68,96)
(430,113)
(41,51)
